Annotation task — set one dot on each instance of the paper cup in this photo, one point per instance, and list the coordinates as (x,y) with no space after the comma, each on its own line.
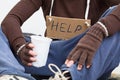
(42,45)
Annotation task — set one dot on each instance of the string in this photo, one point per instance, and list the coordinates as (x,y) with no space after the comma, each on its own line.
(86,12)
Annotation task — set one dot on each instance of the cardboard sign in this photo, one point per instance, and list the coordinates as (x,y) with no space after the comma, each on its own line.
(64,28)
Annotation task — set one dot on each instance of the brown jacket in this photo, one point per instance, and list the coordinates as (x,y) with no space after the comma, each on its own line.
(62,8)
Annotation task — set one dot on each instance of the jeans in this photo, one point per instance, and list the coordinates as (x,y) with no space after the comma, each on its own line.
(8,63)
(105,60)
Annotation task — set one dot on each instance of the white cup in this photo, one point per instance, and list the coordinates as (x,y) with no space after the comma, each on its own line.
(42,45)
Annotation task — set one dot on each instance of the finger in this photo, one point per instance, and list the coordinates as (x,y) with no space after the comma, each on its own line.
(79,67)
(32,53)
(27,63)
(88,66)
(72,52)
(32,59)
(82,58)
(89,61)
(76,55)
(29,58)
(70,63)
(67,60)
(31,45)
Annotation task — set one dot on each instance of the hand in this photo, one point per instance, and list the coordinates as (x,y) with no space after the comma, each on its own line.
(85,49)
(27,55)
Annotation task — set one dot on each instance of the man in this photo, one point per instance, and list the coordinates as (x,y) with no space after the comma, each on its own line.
(83,46)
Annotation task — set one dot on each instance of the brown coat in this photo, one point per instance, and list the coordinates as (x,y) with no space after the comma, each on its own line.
(63,8)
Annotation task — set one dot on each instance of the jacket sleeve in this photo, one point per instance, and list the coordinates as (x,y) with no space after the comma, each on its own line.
(112,2)
(112,21)
(14,20)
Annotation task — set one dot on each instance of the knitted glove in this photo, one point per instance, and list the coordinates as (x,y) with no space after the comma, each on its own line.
(87,46)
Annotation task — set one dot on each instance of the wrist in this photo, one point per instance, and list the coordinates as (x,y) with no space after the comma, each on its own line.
(112,23)
(102,25)
(20,48)
(97,32)
(17,44)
